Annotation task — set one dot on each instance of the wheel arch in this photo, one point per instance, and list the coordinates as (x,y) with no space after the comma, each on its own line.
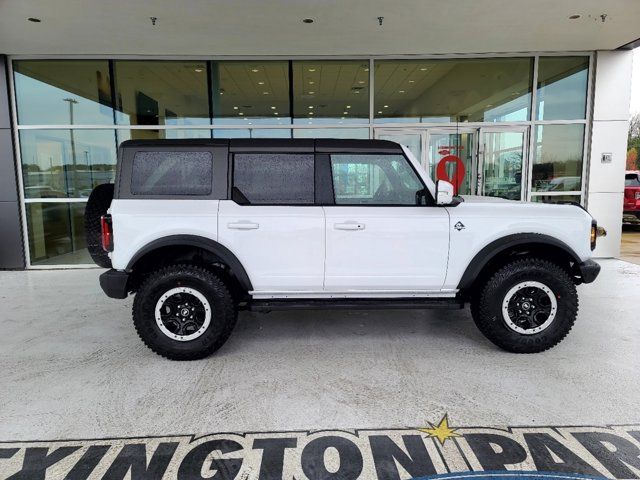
(189,244)
(503,249)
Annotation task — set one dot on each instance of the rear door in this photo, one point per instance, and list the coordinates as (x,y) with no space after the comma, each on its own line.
(379,238)
(271,222)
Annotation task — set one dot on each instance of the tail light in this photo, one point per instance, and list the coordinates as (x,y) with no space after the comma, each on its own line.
(107,233)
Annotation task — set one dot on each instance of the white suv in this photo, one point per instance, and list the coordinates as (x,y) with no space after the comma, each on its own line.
(199,229)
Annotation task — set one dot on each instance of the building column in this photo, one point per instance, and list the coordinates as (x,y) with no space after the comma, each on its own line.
(608,152)
(11,244)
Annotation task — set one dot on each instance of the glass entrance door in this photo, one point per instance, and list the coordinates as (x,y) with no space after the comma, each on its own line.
(456,150)
(486,161)
(502,156)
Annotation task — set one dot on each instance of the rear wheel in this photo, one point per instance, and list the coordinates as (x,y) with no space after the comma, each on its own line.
(97,205)
(527,306)
(184,312)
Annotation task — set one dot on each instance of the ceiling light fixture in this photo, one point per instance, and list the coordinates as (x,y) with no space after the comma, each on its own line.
(260,83)
(345,113)
(412,81)
(255,70)
(241,114)
(386,106)
(311,93)
(265,93)
(348,106)
(235,108)
(423,69)
(312,69)
(401,91)
(310,106)
(273,108)
(198,70)
(307,20)
(311,83)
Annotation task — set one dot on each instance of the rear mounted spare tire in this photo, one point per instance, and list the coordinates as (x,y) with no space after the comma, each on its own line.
(97,206)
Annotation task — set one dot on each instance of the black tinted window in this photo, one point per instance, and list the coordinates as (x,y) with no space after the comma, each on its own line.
(273,178)
(632,180)
(172,173)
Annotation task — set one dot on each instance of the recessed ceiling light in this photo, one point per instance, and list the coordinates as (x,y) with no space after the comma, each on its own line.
(311,93)
(240,113)
(34,19)
(312,69)
(273,108)
(260,83)
(310,113)
(571,17)
(307,20)
(275,113)
(235,108)
(345,113)
(265,93)
(366,69)
(348,106)
(423,69)
(379,111)
(255,70)
(360,81)
(412,81)
(400,91)
(199,70)
(386,106)
(311,82)
(310,106)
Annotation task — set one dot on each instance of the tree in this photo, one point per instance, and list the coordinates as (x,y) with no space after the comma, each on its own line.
(632,159)
(633,143)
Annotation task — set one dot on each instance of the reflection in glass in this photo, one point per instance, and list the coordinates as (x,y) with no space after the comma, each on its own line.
(66,163)
(558,158)
(453,90)
(562,88)
(413,141)
(256,92)
(359,133)
(155,92)
(330,91)
(252,133)
(503,154)
(56,233)
(63,92)
(442,146)
(136,134)
(556,198)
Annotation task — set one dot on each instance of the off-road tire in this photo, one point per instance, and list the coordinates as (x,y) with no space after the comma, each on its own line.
(486,306)
(97,205)
(223,312)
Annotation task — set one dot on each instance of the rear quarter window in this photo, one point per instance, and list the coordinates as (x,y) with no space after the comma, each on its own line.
(172,173)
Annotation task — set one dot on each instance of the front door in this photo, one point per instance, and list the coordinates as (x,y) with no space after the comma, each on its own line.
(377,238)
(502,156)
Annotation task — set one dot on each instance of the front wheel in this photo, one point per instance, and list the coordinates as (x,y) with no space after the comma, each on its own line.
(527,306)
(184,312)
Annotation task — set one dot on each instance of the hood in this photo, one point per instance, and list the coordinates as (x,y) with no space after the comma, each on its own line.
(479,199)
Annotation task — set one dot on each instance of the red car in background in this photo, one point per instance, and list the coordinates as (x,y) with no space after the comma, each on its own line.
(631,209)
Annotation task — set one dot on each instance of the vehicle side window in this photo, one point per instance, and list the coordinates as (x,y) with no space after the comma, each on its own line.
(632,180)
(172,173)
(273,178)
(374,179)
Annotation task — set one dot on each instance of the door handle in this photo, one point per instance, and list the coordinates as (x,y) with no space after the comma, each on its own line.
(243,225)
(349,226)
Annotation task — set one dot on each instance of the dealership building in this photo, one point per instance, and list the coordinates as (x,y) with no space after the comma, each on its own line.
(530,99)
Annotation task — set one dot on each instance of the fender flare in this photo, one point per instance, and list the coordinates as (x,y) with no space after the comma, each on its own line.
(204,243)
(490,251)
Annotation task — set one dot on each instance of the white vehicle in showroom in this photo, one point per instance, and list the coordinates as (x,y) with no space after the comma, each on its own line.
(200,229)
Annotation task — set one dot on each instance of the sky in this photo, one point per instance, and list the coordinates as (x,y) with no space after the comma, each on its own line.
(635,88)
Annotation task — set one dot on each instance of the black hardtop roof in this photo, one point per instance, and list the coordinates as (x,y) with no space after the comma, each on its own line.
(322,145)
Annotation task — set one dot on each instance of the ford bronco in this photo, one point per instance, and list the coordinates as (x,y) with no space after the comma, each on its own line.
(200,229)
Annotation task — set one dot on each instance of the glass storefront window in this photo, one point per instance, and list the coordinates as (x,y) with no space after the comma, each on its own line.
(250,91)
(331,133)
(63,92)
(140,134)
(161,92)
(330,91)
(562,88)
(557,164)
(66,163)
(453,90)
(56,233)
(556,198)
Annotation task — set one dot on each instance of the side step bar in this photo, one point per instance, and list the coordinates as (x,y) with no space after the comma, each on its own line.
(353,304)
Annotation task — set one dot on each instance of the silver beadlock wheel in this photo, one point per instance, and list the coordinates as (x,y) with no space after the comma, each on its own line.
(529,307)
(183,314)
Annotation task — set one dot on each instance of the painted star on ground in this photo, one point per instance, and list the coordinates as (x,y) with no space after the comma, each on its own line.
(442,432)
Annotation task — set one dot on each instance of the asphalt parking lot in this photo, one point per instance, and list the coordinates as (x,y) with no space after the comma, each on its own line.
(73,368)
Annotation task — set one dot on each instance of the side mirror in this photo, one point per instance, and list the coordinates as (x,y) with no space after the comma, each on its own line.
(444,193)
